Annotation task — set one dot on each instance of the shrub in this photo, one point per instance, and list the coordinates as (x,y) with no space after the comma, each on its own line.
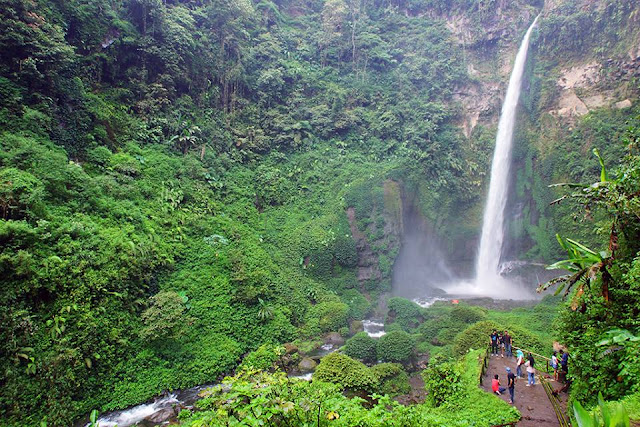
(20,194)
(165,317)
(429,329)
(99,156)
(443,381)
(344,247)
(349,373)
(474,337)
(330,316)
(361,346)
(396,346)
(441,331)
(264,358)
(359,306)
(467,314)
(528,340)
(449,329)
(390,327)
(406,313)
(393,379)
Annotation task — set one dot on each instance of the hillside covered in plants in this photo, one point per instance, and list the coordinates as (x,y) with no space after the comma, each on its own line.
(195,189)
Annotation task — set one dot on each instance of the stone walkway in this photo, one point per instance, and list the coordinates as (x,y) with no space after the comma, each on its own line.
(532,402)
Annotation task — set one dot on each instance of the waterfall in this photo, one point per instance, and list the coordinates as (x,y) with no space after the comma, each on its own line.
(489,254)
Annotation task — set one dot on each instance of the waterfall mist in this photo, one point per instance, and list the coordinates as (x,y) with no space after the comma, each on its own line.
(421,268)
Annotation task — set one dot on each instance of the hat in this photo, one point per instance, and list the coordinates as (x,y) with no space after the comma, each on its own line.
(508,369)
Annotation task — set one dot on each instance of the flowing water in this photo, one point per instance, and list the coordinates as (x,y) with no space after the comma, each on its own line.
(489,254)
(373,328)
(489,282)
(139,413)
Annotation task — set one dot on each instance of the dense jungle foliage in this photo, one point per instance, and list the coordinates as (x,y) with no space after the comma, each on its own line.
(174,177)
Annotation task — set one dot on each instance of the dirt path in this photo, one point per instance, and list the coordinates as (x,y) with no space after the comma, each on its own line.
(532,402)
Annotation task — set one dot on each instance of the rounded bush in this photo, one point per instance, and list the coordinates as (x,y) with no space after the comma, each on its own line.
(264,358)
(340,369)
(406,313)
(361,346)
(396,346)
(475,336)
(393,379)
(467,314)
(331,316)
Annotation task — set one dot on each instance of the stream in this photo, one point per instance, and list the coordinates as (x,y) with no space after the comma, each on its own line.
(150,414)
(165,408)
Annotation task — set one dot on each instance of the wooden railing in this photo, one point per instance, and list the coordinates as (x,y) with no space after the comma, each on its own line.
(484,361)
(555,403)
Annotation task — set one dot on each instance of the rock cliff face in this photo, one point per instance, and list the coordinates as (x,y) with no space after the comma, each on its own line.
(378,240)
(595,84)
(599,77)
(490,41)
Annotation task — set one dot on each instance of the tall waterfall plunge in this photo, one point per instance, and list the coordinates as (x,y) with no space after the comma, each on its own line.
(487,266)
(488,281)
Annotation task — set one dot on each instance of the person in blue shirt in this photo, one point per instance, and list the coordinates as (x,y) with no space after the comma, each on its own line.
(564,362)
(493,341)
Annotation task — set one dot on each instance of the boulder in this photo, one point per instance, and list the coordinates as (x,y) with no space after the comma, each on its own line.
(290,348)
(307,365)
(160,416)
(355,326)
(334,338)
(623,104)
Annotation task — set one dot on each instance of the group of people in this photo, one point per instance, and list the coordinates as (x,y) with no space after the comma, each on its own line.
(504,342)
(560,366)
(500,341)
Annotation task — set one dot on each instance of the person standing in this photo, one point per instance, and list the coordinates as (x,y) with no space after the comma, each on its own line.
(511,385)
(506,339)
(531,371)
(519,363)
(554,365)
(501,343)
(564,366)
(564,361)
(493,341)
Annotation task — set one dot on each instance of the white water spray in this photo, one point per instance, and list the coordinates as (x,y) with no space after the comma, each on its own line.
(487,267)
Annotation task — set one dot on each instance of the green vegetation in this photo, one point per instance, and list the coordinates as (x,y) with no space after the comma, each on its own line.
(395,346)
(187,185)
(174,177)
(454,329)
(270,399)
(393,378)
(340,369)
(406,313)
(361,346)
(602,301)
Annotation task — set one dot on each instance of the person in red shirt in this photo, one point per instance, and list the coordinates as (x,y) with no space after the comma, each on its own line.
(495,385)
